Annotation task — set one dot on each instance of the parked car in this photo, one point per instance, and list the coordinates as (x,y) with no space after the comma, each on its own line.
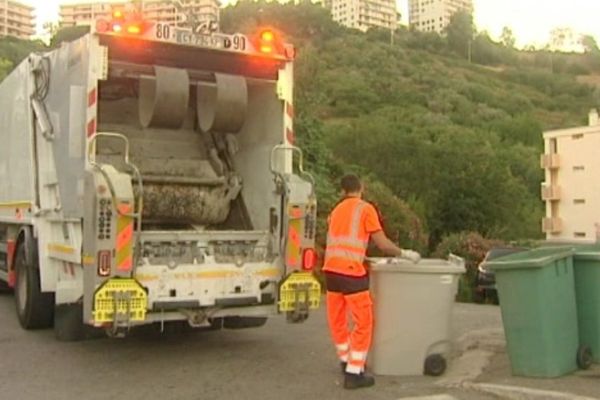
(485,284)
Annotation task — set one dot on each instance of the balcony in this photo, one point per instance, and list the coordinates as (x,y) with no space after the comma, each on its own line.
(552,225)
(550,192)
(550,161)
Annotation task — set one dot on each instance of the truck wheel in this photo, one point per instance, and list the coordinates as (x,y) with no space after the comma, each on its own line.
(435,365)
(34,308)
(68,322)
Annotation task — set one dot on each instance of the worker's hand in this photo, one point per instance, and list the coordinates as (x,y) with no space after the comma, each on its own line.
(411,255)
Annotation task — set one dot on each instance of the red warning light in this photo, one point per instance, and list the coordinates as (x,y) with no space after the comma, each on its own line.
(118,14)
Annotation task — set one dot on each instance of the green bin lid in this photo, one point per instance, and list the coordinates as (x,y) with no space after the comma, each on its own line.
(454,265)
(587,254)
(536,258)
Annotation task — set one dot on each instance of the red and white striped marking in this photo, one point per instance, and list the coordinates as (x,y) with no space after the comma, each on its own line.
(289,123)
(92,101)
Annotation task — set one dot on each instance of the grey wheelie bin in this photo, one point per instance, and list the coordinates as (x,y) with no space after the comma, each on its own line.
(537,298)
(412,306)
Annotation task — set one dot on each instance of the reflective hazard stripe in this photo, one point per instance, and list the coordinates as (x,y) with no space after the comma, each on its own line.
(356,362)
(346,241)
(124,245)
(345,254)
(342,351)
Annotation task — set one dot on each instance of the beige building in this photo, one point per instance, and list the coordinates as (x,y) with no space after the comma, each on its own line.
(153,10)
(434,15)
(364,14)
(571,189)
(16,19)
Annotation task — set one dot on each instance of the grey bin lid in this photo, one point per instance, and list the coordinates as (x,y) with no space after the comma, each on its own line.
(455,265)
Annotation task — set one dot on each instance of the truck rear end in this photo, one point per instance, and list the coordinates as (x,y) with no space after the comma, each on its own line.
(179,193)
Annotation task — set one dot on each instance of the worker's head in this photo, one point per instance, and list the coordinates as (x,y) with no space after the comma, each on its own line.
(351,185)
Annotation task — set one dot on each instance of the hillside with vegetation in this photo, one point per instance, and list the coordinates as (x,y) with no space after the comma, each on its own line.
(446,130)
(448,144)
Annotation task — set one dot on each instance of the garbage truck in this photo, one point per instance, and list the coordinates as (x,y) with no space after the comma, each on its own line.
(148,175)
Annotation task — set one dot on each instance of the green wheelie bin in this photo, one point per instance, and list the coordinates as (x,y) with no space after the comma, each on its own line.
(537,299)
(586,263)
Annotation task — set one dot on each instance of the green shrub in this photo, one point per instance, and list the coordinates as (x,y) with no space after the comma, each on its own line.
(472,247)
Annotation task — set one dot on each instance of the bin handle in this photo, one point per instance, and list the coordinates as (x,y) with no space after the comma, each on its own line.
(454,259)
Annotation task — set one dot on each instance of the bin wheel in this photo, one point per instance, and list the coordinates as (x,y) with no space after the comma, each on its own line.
(584,357)
(435,365)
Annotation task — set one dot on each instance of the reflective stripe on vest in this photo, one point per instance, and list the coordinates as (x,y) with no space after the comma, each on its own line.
(350,247)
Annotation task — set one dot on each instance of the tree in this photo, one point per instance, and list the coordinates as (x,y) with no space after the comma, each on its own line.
(508,38)
(460,32)
(68,34)
(5,67)
(589,44)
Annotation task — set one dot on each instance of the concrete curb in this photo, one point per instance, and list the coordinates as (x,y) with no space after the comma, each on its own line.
(521,393)
(432,397)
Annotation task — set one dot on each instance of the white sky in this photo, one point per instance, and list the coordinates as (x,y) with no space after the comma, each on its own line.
(530,20)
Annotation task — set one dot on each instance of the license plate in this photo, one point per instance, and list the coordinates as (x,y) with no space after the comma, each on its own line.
(168,33)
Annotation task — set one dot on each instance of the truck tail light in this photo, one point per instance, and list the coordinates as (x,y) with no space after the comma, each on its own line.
(267,42)
(104,263)
(122,23)
(134,29)
(309,259)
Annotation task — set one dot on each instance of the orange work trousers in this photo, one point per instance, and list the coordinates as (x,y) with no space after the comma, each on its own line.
(352,345)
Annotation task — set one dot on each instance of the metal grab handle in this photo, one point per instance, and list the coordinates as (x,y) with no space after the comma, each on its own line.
(138,176)
(293,149)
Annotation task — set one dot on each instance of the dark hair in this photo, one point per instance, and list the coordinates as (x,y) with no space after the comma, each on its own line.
(351,184)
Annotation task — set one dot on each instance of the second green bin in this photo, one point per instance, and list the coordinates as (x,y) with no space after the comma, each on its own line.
(587,287)
(537,298)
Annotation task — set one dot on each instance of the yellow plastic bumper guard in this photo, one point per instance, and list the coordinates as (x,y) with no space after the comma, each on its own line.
(120,301)
(299,293)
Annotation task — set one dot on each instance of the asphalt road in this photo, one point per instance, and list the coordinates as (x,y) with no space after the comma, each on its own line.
(279,361)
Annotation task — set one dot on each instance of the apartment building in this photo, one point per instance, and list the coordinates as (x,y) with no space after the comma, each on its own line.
(571,190)
(16,19)
(85,13)
(434,15)
(364,14)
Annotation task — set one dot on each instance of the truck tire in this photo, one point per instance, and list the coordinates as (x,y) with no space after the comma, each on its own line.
(34,308)
(68,322)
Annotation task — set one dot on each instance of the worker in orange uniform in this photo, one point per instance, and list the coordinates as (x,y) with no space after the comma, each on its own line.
(352,223)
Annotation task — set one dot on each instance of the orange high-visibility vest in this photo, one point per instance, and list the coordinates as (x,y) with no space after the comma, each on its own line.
(350,225)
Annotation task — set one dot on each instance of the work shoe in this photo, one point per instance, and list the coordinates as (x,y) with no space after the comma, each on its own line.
(354,381)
